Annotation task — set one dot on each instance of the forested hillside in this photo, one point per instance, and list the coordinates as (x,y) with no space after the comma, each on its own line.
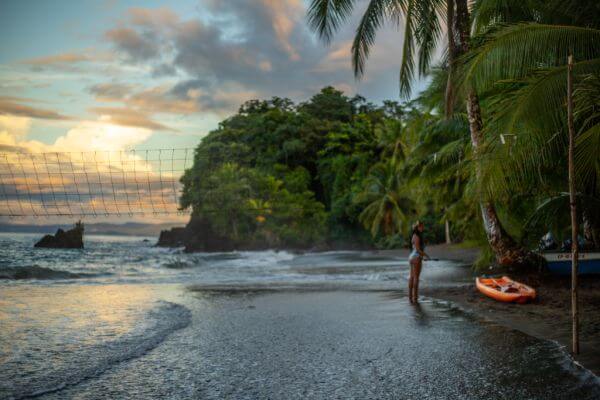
(331,172)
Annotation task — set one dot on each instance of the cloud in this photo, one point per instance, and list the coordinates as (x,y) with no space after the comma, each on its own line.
(164,69)
(283,20)
(111,91)
(262,47)
(159,99)
(184,98)
(138,46)
(12,129)
(153,100)
(128,117)
(16,126)
(12,106)
(101,135)
(157,17)
(57,59)
(241,49)
(337,58)
(90,170)
(72,62)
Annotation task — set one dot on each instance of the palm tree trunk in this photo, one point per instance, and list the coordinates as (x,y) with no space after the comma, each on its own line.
(449,98)
(573,204)
(507,251)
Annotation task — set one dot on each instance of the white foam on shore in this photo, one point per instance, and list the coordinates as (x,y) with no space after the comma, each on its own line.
(91,361)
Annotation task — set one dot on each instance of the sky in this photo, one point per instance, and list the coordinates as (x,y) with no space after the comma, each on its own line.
(125,75)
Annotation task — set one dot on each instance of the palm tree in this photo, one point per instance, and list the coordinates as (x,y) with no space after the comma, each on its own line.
(422,31)
(526,65)
(441,164)
(422,28)
(260,208)
(225,191)
(388,208)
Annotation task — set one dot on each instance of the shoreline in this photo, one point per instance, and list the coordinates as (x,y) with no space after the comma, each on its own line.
(548,317)
(323,344)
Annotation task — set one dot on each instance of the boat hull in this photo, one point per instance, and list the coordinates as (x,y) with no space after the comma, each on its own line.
(560,263)
(490,287)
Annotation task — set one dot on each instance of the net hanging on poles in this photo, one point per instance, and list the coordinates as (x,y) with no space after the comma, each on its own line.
(98,183)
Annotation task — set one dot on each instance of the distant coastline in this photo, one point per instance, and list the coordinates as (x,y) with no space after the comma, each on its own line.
(126,229)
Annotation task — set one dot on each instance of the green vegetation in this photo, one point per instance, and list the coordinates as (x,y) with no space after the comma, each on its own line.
(505,68)
(485,142)
(332,171)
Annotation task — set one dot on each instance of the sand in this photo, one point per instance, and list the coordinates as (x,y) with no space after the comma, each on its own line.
(549,317)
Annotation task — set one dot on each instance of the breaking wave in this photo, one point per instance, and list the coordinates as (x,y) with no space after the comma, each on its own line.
(37,272)
(71,368)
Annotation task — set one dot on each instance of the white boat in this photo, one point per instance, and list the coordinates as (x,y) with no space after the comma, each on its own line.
(560,263)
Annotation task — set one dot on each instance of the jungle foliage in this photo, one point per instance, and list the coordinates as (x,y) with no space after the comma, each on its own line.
(333,171)
(486,141)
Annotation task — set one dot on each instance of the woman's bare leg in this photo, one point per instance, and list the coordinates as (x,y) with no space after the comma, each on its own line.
(416,274)
(411,281)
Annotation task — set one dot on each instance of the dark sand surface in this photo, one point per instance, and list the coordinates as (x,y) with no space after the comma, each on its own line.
(339,345)
(549,317)
(318,339)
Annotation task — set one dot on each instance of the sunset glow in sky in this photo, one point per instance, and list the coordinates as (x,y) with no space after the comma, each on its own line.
(96,75)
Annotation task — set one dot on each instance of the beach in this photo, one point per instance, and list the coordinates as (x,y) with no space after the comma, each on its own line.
(549,317)
(158,323)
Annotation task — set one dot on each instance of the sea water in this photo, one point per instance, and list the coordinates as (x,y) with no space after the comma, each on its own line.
(125,319)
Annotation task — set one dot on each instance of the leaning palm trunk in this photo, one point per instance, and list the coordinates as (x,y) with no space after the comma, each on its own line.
(507,251)
(449,96)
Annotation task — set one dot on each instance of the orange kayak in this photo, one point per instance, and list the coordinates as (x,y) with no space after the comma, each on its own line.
(505,289)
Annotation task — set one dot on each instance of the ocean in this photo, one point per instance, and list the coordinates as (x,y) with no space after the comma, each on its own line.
(125,319)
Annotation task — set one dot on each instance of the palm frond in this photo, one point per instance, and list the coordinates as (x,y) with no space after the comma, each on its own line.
(587,154)
(408,46)
(372,19)
(326,16)
(486,13)
(547,211)
(521,105)
(513,51)
(427,31)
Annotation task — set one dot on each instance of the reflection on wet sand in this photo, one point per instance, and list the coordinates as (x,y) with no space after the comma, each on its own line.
(80,308)
(60,335)
(420,315)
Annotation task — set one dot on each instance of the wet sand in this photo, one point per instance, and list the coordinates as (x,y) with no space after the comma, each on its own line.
(340,344)
(327,337)
(549,317)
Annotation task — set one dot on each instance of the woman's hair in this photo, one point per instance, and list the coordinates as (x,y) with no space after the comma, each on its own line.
(415,227)
(415,231)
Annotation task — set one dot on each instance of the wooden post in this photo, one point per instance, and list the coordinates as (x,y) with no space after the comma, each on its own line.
(573,204)
(447,231)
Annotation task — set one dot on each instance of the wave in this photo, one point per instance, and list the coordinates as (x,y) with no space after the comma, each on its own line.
(94,360)
(37,272)
(177,265)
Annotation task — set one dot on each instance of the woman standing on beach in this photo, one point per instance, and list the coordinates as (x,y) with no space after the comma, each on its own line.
(416,260)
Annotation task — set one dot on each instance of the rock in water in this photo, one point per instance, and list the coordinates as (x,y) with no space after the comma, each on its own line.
(71,239)
(198,235)
(174,237)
